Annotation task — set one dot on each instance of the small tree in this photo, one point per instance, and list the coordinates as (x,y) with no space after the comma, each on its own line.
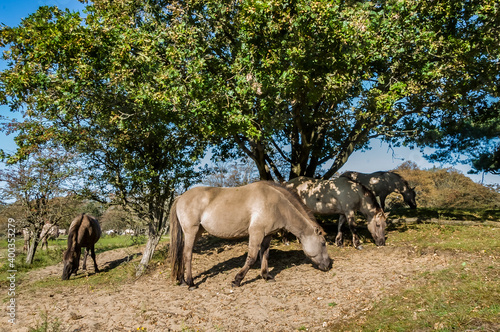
(230,174)
(40,186)
(118,219)
(98,97)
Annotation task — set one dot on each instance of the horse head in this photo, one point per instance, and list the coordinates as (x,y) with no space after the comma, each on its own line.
(71,262)
(377,226)
(314,246)
(409,197)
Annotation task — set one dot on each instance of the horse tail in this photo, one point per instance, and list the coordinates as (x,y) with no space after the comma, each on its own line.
(73,234)
(176,245)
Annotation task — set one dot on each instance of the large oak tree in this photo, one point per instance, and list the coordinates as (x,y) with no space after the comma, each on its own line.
(316,80)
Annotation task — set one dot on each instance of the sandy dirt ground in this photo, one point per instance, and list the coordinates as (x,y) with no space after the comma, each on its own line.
(301,297)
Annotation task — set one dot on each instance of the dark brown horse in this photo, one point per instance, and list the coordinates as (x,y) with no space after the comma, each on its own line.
(257,210)
(384,183)
(84,232)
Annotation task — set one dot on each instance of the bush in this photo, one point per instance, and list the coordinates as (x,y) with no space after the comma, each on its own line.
(444,188)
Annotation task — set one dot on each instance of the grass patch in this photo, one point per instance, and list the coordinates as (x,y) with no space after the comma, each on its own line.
(446,237)
(461,297)
(114,242)
(53,256)
(478,215)
(46,324)
(110,279)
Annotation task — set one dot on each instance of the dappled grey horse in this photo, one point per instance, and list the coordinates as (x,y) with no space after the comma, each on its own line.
(345,197)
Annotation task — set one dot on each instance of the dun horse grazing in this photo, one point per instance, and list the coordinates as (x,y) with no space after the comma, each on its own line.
(345,197)
(84,231)
(384,183)
(257,210)
(27,238)
(49,231)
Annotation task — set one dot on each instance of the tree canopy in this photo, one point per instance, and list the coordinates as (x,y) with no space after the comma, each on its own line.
(305,84)
(295,85)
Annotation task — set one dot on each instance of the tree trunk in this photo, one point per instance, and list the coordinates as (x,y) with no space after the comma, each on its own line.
(32,248)
(357,136)
(154,237)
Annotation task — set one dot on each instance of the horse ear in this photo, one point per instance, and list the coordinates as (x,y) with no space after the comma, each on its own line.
(387,214)
(413,188)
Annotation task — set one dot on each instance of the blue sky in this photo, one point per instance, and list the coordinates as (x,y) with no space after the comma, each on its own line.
(379,157)
(12,11)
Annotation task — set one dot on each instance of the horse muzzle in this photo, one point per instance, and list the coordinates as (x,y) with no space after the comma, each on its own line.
(67,270)
(326,267)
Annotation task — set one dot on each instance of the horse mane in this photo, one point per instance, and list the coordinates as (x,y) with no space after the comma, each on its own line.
(72,234)
(294,198)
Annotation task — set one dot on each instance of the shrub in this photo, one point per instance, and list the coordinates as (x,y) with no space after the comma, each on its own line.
(444,188)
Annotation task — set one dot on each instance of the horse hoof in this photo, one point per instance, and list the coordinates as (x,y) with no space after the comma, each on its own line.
(192,287)
(235,284)
(359,247)
(267,278)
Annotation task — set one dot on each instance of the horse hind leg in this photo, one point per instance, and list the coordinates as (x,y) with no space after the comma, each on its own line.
(264,257)
(92,254)
(339,241)
(84,267)
(190,239)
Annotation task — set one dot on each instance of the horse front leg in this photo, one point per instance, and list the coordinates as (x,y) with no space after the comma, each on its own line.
(76,261)
(254,243)
(382,201)
(264,258)
(339,241)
